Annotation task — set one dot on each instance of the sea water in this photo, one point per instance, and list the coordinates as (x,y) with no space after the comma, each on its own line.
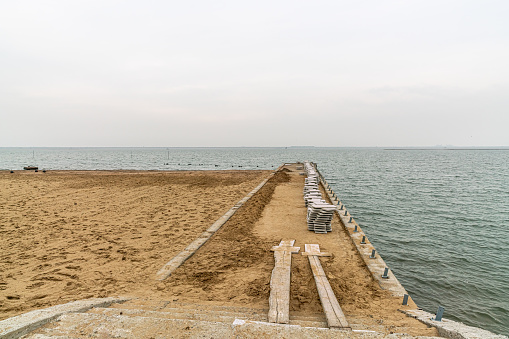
(439,218)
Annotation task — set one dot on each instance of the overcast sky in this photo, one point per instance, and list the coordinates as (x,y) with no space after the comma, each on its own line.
(254,73)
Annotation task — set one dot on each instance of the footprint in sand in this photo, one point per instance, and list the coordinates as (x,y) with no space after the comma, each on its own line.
(35,285)
(13,297)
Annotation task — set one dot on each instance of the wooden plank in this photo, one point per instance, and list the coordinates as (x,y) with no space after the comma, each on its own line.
(275,291)
(330,315)
(314,249)
(279,299)
(343,323)
(332,309)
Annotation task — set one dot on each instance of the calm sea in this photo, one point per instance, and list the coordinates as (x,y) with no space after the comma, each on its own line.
(439,218)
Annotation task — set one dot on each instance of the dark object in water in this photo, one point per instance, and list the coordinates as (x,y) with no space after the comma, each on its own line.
(30,168)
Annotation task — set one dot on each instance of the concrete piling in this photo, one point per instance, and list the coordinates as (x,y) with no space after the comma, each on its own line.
(373,256)
(386,272)
(363,241)
(355,229)
(346,212)
(351,219)
(440,313)
(405,299)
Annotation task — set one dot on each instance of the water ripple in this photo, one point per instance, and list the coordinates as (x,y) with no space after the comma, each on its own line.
(439,218)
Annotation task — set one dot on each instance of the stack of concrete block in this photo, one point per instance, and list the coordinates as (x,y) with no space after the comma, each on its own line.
(320,213)
(311,189)
(320,217)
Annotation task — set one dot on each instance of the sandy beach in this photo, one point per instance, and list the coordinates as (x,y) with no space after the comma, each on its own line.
(68,235)
(72,235)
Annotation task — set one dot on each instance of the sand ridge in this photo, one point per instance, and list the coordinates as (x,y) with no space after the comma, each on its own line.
(234,265)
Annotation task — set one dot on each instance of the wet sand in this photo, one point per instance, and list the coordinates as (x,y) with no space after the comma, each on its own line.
(68,235)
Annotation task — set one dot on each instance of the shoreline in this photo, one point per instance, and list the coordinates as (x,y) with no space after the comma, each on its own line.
(207,273)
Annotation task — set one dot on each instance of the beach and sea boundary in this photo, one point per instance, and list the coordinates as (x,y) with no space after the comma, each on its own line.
(349,226)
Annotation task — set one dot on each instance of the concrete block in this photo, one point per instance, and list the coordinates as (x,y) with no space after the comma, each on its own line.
(452,329)
(20,325)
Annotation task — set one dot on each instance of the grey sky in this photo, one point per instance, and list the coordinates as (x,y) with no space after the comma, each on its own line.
(254,73)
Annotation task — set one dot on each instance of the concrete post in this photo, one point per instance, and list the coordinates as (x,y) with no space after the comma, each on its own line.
(440,313)
(405,299)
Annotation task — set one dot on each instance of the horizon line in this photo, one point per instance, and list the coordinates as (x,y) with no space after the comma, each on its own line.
(472,147)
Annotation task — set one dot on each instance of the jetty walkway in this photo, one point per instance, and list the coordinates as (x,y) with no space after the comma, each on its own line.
(258,271)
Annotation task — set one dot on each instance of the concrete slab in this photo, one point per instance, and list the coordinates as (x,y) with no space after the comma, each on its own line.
(22,324)
(279,299)
(452,329)
(332,309)
(255,329)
